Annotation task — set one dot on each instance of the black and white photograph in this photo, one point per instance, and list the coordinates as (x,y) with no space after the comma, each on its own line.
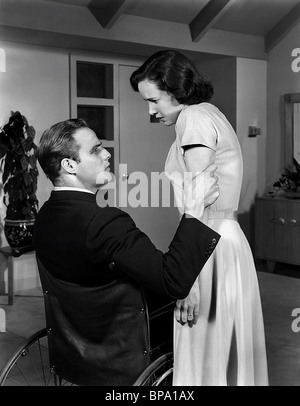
(149,195)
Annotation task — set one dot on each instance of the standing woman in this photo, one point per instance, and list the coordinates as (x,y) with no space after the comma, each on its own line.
(219,331)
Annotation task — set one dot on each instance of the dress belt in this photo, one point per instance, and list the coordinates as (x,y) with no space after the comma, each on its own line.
(223,214)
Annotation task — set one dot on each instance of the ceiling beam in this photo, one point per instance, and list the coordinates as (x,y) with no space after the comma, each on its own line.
(282,28)
(203,21)
(108,12)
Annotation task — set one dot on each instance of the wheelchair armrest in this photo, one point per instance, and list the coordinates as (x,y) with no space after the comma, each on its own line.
(162,310)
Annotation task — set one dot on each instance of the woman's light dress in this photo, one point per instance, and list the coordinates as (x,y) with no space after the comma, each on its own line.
(227,345)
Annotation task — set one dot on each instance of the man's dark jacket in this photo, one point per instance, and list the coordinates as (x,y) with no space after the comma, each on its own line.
(99,256)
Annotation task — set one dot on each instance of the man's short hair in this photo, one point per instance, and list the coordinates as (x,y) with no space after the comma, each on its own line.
(58,143)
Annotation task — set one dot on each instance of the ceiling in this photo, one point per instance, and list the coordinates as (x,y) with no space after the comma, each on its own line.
(254,17)
(204,28)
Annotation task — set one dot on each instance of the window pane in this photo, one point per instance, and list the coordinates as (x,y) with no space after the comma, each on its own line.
(94,80)
(100,119)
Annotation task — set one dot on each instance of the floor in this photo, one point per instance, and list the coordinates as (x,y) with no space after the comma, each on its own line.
(279,292)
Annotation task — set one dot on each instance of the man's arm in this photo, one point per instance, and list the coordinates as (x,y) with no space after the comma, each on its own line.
(113,233)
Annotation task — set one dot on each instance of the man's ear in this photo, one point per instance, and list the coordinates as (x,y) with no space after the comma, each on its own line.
(69,165)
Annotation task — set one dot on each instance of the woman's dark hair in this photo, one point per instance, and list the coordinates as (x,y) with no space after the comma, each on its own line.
(56,144)
(174,73)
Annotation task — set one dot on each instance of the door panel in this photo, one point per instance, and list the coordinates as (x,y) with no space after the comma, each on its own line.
(293,237)
(143,150)
(270,224)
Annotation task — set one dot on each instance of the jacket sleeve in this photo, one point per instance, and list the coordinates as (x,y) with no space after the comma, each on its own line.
(116,237)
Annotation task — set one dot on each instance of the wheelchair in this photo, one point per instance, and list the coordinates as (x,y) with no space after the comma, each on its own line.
(30,364)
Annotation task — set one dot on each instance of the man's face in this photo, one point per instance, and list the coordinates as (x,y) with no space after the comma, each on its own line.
(93,169)
(161,104)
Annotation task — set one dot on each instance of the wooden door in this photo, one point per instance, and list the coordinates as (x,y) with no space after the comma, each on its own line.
(144,146)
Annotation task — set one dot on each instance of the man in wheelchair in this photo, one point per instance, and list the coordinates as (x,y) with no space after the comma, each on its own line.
(95,264)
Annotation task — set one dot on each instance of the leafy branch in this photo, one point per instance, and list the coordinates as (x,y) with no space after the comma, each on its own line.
(19,166)
(289,179)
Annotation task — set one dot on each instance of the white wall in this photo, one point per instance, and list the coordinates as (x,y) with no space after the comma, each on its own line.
(222,73)
(251,111)
(281,80)
(36,83)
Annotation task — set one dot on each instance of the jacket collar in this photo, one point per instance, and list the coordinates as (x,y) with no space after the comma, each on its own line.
(72,195)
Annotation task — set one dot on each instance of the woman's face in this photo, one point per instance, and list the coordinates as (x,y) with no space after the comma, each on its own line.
(161,104)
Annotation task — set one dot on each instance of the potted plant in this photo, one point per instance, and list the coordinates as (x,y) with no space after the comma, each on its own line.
(19,176)
(289,182)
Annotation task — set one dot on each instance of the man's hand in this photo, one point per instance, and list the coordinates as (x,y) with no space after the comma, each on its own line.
(211,187)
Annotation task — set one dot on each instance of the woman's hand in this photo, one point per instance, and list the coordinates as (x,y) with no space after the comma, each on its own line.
(187,310)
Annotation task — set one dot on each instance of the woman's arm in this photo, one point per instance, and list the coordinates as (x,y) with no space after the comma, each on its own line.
(197,159)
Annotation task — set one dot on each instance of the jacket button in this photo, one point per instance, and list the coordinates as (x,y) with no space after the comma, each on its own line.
(142,310)
(111,265)
(145,352)
(207,254)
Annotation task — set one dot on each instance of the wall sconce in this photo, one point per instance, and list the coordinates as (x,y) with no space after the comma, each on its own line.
(253,131)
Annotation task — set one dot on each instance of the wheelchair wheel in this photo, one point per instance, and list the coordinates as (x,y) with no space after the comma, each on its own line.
(29,364)
(159,373)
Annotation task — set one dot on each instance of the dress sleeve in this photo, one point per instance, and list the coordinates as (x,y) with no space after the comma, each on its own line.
(195,127)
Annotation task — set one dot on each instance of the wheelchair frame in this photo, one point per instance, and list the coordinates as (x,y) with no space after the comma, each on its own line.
(33,355)
(29,363)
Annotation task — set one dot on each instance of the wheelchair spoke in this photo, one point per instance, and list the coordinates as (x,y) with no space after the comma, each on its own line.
(162,380)
(159,373)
